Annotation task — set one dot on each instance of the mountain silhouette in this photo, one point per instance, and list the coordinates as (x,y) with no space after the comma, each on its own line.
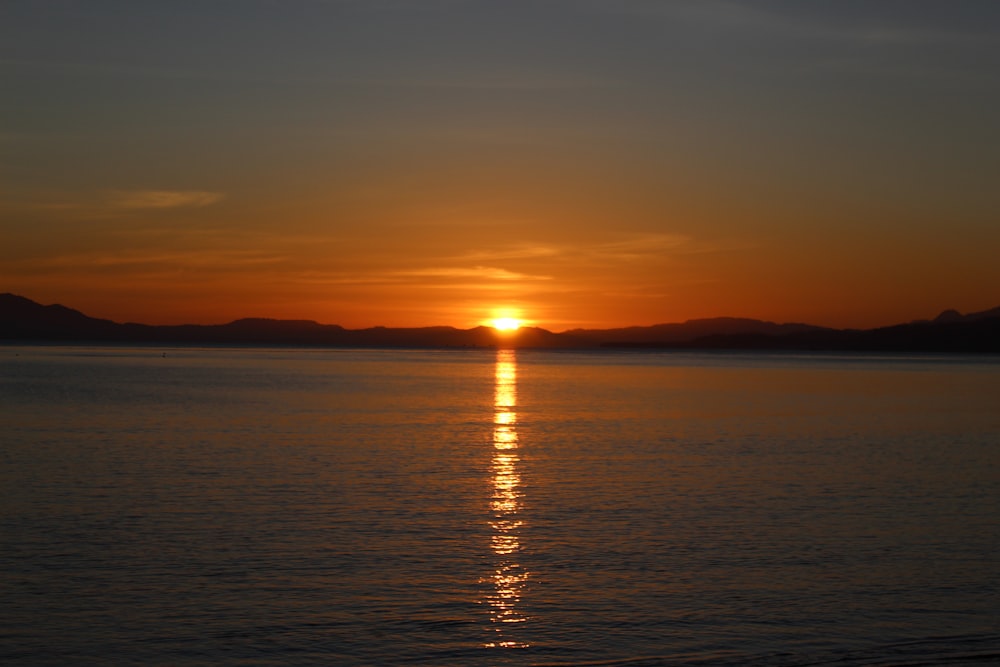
(22,319)
(690,330)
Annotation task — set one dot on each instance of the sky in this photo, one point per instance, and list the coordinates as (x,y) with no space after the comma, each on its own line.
(572,163)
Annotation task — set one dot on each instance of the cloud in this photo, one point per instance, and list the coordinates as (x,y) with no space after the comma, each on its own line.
(556,262)
(487,275)
(485,272)
(518,251)
(638,246)
(144,261)
(104,203)
(160,199)
(623,249)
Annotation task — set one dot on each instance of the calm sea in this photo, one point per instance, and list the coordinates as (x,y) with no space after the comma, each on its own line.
(339,507)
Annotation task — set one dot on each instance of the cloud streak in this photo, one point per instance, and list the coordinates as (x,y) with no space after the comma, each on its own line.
(140,261)
(162,199)
(485,272)
(104,203)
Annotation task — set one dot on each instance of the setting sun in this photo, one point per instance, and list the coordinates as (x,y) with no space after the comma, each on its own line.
(506,324)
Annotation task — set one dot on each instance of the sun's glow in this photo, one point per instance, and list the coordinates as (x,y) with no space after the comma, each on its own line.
(506,323)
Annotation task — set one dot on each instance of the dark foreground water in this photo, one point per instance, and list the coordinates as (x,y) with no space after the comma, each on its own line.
(288,507)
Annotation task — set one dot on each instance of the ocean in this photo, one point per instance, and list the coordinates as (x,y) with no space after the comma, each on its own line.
(251,506)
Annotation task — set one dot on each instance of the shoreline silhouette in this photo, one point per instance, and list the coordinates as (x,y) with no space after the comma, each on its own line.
(24,320)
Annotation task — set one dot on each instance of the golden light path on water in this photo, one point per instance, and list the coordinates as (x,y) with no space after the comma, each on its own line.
(509,578)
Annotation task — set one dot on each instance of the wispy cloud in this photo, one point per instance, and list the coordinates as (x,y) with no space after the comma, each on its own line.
(637,246)
(517,251)
(105,203)
(443,276)
(485,272)
(158,199)
(531,265)
(623,249)
(140,261)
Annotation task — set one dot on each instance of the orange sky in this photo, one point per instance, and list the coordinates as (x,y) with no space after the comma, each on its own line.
(576,164)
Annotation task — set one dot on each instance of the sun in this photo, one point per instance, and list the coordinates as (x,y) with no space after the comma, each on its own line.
(506,324)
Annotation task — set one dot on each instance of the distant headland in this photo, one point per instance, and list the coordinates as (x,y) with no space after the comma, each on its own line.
(24,320)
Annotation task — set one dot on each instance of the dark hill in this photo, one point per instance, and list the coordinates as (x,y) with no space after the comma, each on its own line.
(947,335)
(685,332)
(22,319)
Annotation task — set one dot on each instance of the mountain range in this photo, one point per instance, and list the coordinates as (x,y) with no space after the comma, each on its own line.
(22,319)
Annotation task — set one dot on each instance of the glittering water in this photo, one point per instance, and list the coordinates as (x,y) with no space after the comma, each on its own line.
(331,507)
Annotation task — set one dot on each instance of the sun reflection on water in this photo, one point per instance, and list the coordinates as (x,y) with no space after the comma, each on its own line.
(509,577)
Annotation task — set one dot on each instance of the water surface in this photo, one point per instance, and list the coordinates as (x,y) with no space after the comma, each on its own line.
(282,506)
